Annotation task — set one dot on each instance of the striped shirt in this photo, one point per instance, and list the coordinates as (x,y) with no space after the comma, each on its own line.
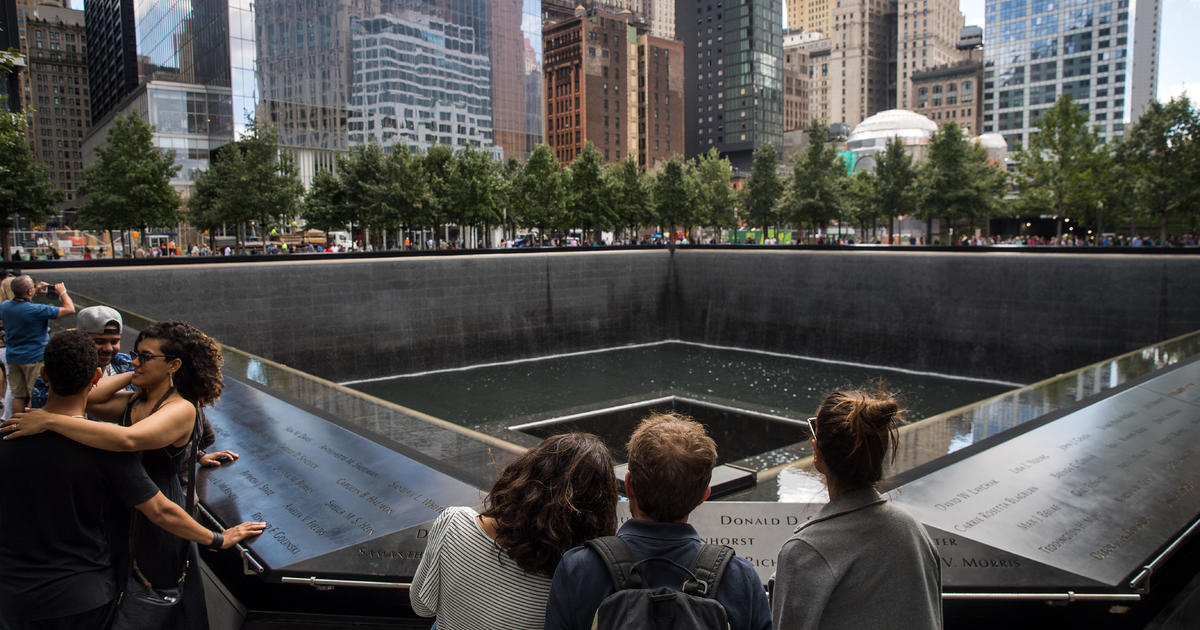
(468,582)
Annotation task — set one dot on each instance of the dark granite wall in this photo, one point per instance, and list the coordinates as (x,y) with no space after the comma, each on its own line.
(1017,317)
(1020,317)
(354,319)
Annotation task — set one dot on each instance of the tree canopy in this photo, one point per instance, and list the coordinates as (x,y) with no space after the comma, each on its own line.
(129,184)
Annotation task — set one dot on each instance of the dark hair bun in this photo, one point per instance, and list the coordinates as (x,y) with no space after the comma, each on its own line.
(879,414)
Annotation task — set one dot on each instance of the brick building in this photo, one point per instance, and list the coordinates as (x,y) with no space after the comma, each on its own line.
(951,92)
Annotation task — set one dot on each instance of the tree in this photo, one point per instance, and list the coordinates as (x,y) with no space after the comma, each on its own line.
(474,188)
(129,184)
(406,191)
(673,196)
(763,189)
(25,188)
(629,194)
(1063,163)
(958,180)
(716,199)
(862,201)
(324,206)
(437,171)
(1163,149)
(538,195)
(896,185)
(589,204)
(817,193)
(249,181)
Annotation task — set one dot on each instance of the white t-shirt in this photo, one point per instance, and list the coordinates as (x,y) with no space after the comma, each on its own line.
(467,581)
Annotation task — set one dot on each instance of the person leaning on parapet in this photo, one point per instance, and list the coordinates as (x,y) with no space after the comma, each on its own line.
(103,325)
(56,551)
(670,466)
(492,569)
(26,330)
(861,562)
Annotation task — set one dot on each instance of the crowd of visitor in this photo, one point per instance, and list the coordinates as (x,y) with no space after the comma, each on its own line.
(104,537)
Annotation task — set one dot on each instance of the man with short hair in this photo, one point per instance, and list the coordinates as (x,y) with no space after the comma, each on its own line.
(103,325)
(56,566)
(26,330)
(670,466)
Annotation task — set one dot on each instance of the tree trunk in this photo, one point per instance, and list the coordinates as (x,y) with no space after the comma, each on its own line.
(4,230)
(1162,231)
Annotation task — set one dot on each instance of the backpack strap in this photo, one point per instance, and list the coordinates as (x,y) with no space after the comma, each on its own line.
(708,569)
(619,560)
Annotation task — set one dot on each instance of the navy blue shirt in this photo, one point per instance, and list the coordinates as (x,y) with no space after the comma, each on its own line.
(582,581)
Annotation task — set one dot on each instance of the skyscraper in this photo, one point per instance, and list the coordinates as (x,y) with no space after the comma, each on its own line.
(863,60)
(1039,50)
(734,76)
(927,33)
(56,85)
(811,15)
(199,70)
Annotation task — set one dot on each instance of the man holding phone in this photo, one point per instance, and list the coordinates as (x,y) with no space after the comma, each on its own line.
(27,329)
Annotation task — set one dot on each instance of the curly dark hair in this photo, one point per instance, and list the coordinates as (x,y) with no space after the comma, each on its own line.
(199,378)
(70,362)
(552,498)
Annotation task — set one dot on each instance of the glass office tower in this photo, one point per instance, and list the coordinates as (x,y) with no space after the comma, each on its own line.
(205,67)
(734,76)
(1037,50)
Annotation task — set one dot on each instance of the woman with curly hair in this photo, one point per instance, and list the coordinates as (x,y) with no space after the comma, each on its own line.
(492,569)
(177,371)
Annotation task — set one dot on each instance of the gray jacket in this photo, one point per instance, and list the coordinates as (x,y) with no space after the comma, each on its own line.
(860,563)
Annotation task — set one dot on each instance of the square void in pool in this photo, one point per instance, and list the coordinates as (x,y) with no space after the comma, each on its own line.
(739,433)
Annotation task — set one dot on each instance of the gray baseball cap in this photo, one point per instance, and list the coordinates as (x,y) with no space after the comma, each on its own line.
(98,320)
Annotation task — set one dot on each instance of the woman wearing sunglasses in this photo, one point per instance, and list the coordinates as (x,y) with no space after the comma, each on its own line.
(861,562)
(177,371)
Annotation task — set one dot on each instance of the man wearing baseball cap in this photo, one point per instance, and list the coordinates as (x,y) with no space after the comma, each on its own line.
(103,325)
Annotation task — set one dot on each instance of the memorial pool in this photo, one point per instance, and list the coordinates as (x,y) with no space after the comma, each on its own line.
(494,398)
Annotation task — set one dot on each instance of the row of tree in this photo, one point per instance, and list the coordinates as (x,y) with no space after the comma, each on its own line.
(1066,172)
(380,191)
(1150,173)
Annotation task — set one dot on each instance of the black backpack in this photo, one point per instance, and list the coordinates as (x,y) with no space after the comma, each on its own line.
(634,606)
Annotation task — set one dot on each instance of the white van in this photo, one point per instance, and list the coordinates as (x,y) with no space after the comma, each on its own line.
(340,239)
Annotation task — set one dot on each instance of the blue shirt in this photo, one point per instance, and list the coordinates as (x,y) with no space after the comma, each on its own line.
(26,329)
(581,580)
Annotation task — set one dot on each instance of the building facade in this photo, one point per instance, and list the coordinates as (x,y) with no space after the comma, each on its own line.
(950,92)
(659,100)
(56,97)
(927,37)
(797,101)
(420,82)
(588,91)
(811,15)
(863,60)
(112,57)
(1039,50)
(734,77)
(315,68)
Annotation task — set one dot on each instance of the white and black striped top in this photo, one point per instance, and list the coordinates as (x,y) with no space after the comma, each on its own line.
(469,582)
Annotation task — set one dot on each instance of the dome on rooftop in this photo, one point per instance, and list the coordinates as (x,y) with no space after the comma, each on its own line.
(893,122)
(871,135)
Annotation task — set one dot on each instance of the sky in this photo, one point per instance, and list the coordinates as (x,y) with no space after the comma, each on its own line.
(1178,70)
